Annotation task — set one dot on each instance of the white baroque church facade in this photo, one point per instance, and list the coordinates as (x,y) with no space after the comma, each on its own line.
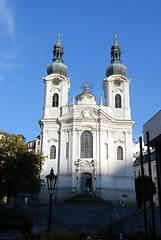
(88,145)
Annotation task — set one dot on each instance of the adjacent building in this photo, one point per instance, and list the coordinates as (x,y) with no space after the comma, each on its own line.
(136,150)
(137,169)
(3,134)
(153,128)
(34,146)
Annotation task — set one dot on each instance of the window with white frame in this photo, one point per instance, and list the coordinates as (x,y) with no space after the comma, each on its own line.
(52,152)
(119,153)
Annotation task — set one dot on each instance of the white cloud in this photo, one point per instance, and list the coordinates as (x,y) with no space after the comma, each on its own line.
(6,18)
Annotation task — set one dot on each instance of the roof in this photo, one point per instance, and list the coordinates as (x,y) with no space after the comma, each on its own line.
(4,133)
(31,141)
(137,162)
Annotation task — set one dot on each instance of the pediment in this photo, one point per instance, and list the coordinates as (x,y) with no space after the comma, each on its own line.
(53,140)
(86,113)
(105,117)
(81,113)
(66,117)
(119,141)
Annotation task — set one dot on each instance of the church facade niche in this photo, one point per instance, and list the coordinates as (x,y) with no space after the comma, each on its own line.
(92,142)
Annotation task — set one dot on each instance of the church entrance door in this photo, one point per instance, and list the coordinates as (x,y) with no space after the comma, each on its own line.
(86,183)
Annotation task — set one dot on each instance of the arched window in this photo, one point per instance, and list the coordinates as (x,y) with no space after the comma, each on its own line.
(53,152)
(117,101)
(119,153)
(86,145)
(55,100)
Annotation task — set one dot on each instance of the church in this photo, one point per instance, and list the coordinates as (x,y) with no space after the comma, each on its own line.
(88,145)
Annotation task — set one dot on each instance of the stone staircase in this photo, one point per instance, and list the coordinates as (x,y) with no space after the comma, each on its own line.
(86,214)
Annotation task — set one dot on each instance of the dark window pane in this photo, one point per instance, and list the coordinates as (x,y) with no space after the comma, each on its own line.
(55,100)
(117,101)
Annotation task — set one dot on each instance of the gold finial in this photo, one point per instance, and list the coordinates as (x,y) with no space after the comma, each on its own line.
(115,35)
(59,34)
(85,90)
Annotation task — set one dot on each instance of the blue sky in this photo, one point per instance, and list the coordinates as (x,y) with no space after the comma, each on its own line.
(29,30)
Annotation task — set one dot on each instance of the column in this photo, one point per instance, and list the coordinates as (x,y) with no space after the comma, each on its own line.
(62,153)
(78,144)
(108,142)
(73,158)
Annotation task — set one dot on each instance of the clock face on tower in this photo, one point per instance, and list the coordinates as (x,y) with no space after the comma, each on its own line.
(117,82)
(56,81)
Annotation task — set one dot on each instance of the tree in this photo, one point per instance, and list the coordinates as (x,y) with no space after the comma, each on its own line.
(147,192)
(19,169)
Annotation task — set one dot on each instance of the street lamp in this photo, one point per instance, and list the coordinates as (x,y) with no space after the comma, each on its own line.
(51,181)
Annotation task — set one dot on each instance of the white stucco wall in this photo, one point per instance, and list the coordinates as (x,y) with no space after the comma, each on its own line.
(109,126)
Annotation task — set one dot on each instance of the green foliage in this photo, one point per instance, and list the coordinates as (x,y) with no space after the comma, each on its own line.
(60,236)
(19,169)
(147,190)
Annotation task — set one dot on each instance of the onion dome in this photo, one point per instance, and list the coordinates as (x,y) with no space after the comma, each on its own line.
(58,66)
(116,67)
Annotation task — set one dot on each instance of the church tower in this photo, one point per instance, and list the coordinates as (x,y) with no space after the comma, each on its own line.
(57,86)
(116,86)
(56,83)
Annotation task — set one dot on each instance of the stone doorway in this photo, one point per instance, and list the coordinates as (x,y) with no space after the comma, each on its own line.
(86,183)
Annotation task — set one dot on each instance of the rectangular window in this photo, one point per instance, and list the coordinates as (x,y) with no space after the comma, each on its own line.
(139,172)
(106,151)
(67,150)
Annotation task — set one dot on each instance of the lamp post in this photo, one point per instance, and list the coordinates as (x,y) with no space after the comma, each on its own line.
(51,181)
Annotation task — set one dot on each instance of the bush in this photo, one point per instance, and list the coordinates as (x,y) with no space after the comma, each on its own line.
(60,236)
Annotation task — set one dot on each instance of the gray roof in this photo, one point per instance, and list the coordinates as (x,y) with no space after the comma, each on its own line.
(116,68)
(137,162)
